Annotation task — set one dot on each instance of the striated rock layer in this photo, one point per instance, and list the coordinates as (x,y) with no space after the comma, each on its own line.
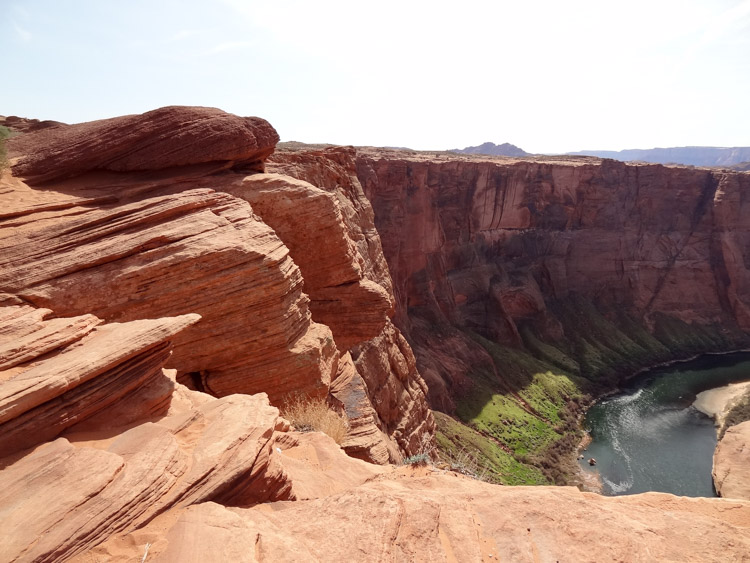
(384,361)
(135,222)
(122,442)
(59,373)
(164,138)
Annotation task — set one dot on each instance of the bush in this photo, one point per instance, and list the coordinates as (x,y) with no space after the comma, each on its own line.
(418,459)
(309,415)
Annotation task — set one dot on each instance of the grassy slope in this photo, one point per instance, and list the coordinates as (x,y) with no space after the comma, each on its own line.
(522,418)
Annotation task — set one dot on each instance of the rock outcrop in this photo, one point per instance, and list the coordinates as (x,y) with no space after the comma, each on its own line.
(731,463)
(384,361)
(173,254)
(132,224)
(63,372)
(164,138)
(310,221)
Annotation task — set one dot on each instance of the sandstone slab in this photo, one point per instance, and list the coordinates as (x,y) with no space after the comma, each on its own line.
(163,138)
(429,516)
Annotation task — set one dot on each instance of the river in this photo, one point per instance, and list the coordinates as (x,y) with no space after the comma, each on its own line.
(650,437)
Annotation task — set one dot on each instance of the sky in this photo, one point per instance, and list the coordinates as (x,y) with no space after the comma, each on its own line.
(548,76)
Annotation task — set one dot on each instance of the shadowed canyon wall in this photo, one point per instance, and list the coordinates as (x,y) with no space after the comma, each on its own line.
(523,284)
(496,246)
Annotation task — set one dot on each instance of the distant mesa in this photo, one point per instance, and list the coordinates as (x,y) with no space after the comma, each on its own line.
(695,156)
(506,149)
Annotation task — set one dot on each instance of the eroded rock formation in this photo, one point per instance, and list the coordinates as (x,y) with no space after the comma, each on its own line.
(164,138)
(385,362)
(150,237)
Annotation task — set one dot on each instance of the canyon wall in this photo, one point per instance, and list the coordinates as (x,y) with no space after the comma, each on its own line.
(524,284)
(503,247)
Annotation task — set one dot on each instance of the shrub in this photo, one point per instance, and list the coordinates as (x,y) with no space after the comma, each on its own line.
(464,463)
(417,459)
(309,415)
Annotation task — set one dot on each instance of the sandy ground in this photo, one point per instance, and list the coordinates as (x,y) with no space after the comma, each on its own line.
(715,402)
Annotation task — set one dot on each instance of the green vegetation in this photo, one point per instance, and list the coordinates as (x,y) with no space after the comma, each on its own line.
(518,418)
(456,440)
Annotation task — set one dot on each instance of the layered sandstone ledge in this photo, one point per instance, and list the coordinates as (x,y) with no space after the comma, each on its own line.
(155,215)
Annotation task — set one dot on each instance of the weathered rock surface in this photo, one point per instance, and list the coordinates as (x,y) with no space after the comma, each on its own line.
(104,273)
(194,251)
(439,517)
(71,494)
(162,240)
(364,439)
(310,222)
(164,138)
(731,462)
(134,443)
(58,373)
(385,362)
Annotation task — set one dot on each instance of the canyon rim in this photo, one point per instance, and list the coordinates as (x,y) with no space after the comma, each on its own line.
(170,280)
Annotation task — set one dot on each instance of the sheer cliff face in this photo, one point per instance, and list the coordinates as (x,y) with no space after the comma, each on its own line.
(490,245)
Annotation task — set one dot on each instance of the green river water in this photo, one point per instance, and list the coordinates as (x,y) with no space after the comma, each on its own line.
(650,437)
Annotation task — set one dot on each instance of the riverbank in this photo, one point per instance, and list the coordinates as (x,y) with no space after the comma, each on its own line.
(717,403)
(650,437)
(719,400)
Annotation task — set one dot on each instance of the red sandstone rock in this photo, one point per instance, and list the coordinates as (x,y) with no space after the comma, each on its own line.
(393,385)
(430,516)
(364,440)
(484,244)
(59,373)
(163,138)
(174,254)
(161,244)
(731,463)
(310,222)
(69,495)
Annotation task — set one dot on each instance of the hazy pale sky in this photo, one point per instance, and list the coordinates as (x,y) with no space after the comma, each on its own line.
(548,76)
